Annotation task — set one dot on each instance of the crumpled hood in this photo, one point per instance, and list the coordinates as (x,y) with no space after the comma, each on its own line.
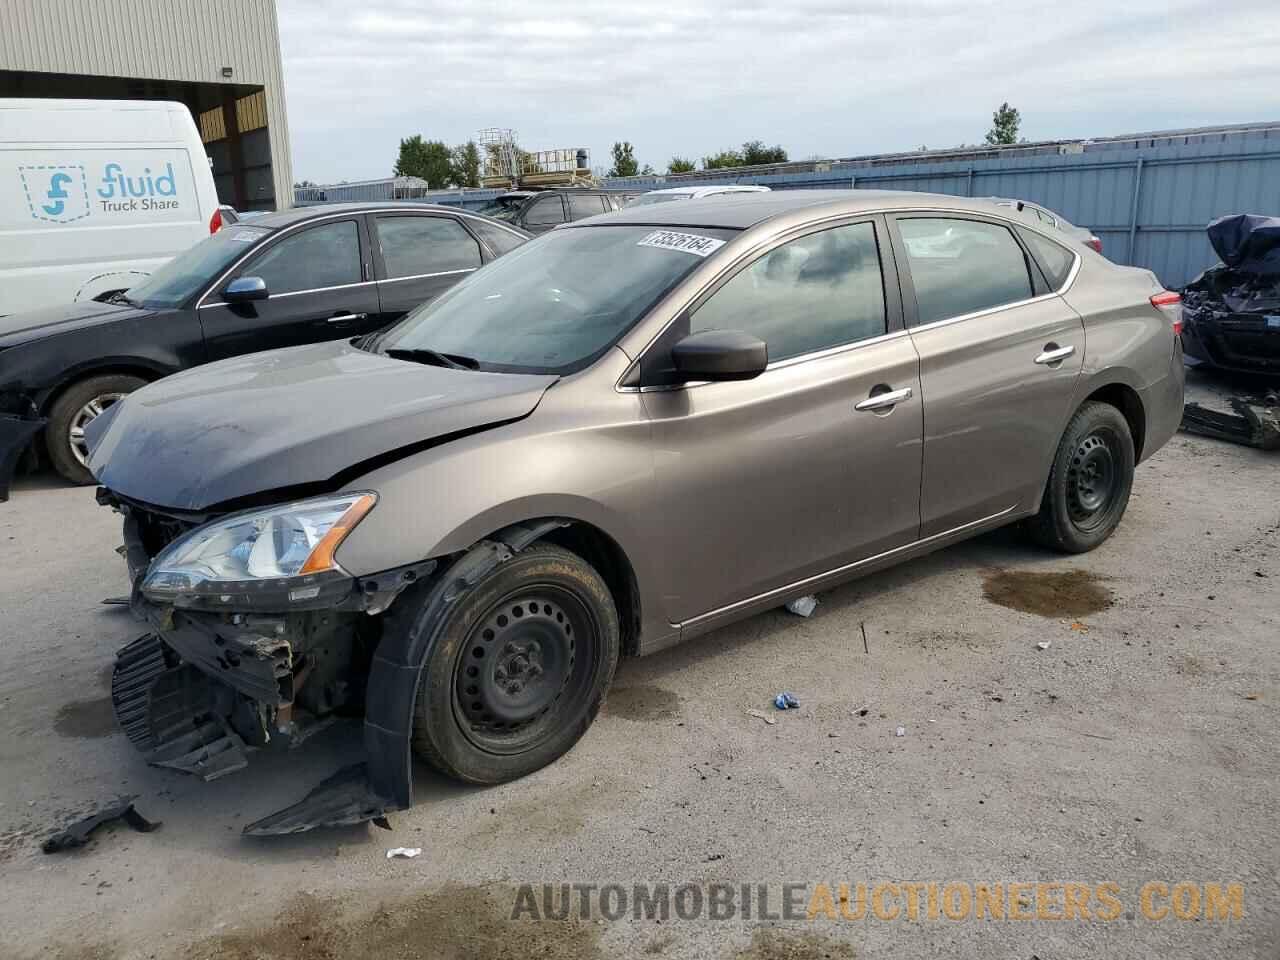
(286,417)
(37,324)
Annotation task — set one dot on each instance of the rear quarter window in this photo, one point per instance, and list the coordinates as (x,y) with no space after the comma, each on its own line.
(1055,260)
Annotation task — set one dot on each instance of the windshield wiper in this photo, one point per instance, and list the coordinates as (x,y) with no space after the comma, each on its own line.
(435,357)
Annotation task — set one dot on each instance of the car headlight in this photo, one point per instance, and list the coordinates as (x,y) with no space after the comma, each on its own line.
(276,558)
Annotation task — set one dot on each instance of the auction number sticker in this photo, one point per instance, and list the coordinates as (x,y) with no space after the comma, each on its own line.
(684,242)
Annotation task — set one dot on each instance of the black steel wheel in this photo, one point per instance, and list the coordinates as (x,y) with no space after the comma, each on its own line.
(518,668)
(1089,484)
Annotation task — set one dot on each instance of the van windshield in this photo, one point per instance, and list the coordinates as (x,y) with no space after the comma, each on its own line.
(556,303)
(186,274)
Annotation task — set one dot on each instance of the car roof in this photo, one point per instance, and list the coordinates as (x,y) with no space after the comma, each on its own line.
(737,211)
(286,218)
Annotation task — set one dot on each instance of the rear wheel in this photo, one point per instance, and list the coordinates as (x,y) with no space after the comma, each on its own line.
(1089,484)
(518,669)
(75,409)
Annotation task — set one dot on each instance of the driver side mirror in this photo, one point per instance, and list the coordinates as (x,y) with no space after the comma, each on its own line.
(244,289)
(717,355)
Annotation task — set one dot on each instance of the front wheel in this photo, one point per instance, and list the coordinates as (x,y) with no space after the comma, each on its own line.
(1089,483)
(79,405)
(518,669)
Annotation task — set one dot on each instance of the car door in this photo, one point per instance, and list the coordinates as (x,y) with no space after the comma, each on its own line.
(1000,354)
(811,465)
(417,257)
(319,288)
(543,213)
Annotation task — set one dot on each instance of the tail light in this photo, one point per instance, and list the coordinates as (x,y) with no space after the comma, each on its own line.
(215,222)
(1170,304)
(1094,244)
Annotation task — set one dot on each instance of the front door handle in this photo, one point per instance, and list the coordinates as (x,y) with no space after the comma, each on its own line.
(879,401)
(343,317)
(1054,354)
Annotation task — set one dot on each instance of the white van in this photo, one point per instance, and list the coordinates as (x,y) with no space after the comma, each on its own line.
(94,195)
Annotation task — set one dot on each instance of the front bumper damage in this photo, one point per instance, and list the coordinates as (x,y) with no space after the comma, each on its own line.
(19,423)
(204,688)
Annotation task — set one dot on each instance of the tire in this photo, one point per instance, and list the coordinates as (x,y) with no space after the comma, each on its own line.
(516,671)
(70,410)
(1089,483)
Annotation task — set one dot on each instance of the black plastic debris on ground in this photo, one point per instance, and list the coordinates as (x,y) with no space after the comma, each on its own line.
(1256,422)
(1231,312)
(77,835)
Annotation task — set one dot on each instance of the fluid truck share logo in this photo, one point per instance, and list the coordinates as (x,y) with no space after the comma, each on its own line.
(59,193)
(56,193)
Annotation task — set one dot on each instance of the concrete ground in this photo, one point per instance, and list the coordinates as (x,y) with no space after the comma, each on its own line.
(1139,746)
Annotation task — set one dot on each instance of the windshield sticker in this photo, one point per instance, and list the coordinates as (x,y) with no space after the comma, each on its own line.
(684,242)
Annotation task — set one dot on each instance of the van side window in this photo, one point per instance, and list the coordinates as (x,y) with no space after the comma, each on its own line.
(962,266)
(312,259)
(818,291)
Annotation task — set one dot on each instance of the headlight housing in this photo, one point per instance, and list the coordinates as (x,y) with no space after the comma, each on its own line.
(276,558)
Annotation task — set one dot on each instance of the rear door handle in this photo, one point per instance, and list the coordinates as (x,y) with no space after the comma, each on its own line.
(1054,354)
(880,401)
(341,317)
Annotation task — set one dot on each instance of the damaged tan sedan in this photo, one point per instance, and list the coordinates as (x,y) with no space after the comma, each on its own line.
(625,433)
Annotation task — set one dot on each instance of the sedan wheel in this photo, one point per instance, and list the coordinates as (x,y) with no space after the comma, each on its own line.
(85,416)
(75,408)
(517,666)
(1088,487)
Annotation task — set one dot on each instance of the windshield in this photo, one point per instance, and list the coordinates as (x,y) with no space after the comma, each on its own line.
(184,276)
(647,198)
(556,303)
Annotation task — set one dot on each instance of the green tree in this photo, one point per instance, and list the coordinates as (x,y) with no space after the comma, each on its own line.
(624,160)
(681,165)
(725,158)
(465,165)
(754,152)
(1004,125)
(647,171)
(429,159)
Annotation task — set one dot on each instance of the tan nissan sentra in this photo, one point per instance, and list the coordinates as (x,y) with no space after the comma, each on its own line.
(627,432)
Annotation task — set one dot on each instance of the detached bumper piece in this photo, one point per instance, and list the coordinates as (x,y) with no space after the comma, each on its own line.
(345,799)
(169,711)
(77,835)
(1254,424)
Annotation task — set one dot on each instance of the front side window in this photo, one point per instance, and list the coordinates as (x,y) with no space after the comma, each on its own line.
(413,246)
(311,259)
(962,266)
(821,290)
(186,274)
(556,303)
(545,211)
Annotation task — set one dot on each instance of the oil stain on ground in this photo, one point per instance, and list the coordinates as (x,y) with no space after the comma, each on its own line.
(455,923)
(86,719)
(642,703)
(1074,593)
(768,943)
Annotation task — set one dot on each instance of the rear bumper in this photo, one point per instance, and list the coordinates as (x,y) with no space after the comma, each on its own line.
(1163,402)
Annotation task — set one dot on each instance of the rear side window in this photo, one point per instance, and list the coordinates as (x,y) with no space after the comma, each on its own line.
(1055,260)
(500,241)
(544,211)
(583,206)
(413,246)
(821,290)
(312,259)
(962,266)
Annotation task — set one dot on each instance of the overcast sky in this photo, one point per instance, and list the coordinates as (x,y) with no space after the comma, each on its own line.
(827,77)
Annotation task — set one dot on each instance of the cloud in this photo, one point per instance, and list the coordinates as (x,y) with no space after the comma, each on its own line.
(829,77)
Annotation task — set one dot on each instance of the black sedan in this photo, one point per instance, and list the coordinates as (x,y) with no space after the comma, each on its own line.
(300,276)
